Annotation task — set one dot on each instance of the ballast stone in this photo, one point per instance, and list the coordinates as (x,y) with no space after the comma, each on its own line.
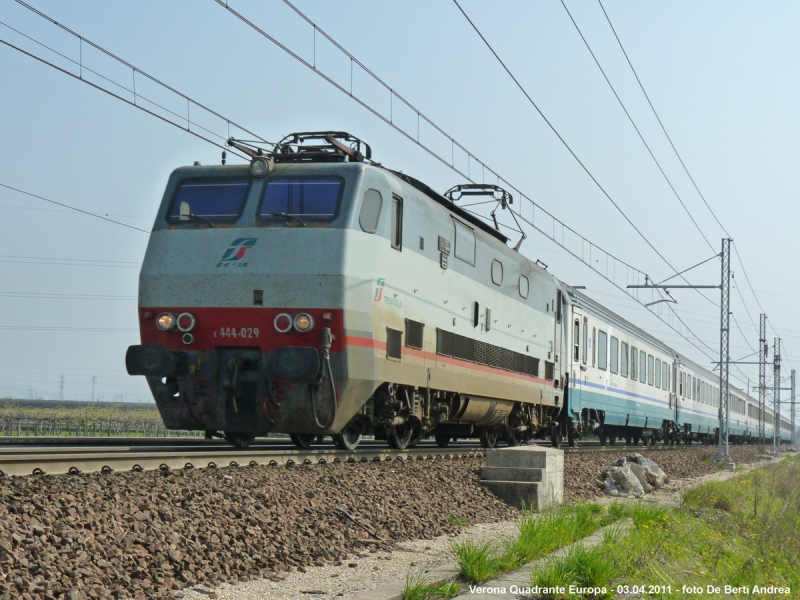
(525,476)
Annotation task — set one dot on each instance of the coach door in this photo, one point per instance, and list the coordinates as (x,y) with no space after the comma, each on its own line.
(578,355)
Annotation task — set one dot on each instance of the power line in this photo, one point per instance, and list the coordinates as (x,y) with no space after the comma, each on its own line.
(54,260)
(85,212)
(49,328)
(44,295)
(630,118)
(660,122)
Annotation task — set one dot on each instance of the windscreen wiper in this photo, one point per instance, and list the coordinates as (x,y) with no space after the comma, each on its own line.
(287,216)
(199,218)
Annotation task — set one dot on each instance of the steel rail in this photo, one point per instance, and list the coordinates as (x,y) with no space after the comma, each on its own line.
(55,463)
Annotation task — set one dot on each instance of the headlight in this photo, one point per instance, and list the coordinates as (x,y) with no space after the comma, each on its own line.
(185,322)
(283,322)
(260,167)
(303,322)
(166,321)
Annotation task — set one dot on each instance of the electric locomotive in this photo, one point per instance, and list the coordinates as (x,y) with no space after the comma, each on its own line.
(314,292)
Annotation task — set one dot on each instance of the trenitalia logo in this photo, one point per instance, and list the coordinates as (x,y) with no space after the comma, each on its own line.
(379,289)
(236,252)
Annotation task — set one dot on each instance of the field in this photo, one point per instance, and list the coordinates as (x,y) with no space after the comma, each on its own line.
(83,421)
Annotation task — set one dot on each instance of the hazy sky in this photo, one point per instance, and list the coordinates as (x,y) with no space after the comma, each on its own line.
(723,77)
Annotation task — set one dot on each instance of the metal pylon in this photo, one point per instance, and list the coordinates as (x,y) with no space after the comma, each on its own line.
(763,350)
(724,350)
(794,426)
(776,397)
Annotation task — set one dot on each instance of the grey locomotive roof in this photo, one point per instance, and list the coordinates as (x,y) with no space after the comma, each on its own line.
(586,303)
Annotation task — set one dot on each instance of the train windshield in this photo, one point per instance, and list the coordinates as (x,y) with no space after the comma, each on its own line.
(218,200)
(302,198)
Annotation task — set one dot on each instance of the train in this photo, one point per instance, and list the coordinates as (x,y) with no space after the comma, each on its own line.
(315,292)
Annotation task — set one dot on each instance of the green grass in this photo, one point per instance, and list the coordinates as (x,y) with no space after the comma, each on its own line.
(457,521)
(537,536)
(418,587)
(741,532)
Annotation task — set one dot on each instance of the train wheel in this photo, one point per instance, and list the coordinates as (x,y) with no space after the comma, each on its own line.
(612,439)
(514,439)
(628,440)
(488,438)
(603,438)
(400,436)
(636,440)
(348,439)
(302,440)
(240,440)
(443,441)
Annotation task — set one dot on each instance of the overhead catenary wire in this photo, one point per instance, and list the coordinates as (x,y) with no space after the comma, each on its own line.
(74,208)
(633,123)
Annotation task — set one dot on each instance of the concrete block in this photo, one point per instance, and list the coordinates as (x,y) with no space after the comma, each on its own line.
(512,474)
(526,457)
(533,495)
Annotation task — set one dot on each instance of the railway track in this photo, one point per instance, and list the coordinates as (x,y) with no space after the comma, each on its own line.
(53,456)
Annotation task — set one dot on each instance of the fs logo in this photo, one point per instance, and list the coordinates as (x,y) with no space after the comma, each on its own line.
(236,252)
(379,289)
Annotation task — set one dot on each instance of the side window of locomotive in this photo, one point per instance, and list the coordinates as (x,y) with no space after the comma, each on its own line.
(602,349)
(301,198)
(214,199)
(634,362)
(642,366)
(465,243)
(370,211)
(524,286)
(614,355)
(497,272)
(397,222)
(623,355)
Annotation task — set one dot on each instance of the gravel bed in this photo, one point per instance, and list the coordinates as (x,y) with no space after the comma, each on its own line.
(154,534)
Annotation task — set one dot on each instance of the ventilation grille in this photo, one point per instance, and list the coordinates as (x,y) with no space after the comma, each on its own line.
(476,351)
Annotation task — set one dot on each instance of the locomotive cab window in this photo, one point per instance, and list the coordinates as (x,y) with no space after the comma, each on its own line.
(301,199)
(465,243)
(370,211)
(209,200)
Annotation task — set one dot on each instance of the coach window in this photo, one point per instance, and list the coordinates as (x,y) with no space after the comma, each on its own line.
(658,373)
(623,359)
(524,286)
(642,366)
(634,356)
(665,375)
(576,340)
(397,222)
(602,350)
(465,243)
(370,211)
(497,272)
(594,343)
(585,340)
(614,355)
(650,369)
